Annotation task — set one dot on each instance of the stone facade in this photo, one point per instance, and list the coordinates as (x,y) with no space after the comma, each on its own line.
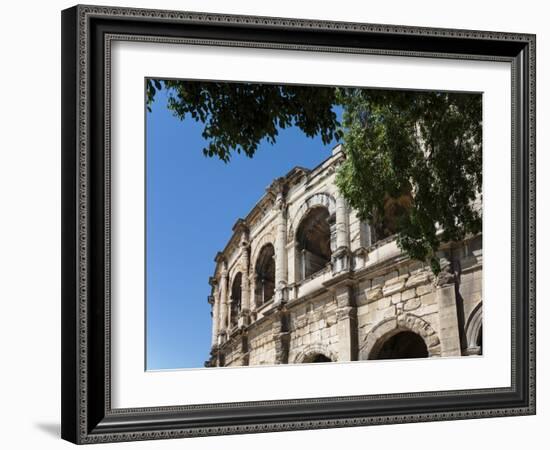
(303,280)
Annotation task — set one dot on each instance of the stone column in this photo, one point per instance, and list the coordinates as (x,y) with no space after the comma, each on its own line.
(281,278)
(449,334)
(252,296)
(223,303)
(214,298)
(341,258)
(342,238)
(346,316)
(245,287)
(291,262)
(281,334)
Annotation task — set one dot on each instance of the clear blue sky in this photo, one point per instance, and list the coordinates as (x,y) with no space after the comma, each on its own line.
(192,204)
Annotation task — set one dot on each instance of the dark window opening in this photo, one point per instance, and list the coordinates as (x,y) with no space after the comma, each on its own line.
(265,275)
(236,297)
(405,344)
(317,358)
(313,242)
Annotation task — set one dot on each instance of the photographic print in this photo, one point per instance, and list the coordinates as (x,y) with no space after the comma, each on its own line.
(292,224)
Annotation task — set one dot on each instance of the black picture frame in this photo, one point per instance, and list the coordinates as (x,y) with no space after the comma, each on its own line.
(87,416)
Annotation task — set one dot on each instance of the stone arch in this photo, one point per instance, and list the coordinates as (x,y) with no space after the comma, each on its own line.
(263,273)
(316,200)
(313,243)
(394,325)
(233,272)
(474,330)
(312,350)
(257,245)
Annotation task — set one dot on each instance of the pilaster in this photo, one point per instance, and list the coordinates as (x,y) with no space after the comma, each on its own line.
(341,260)
(215,302)
(224,304)
(448,315)
(281,258)
(244,316)
(346,316)
(281,335)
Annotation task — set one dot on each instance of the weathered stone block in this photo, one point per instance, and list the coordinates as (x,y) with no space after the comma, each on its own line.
(396,298)
(427,310)
(429,299)
(418,279)
(361,298)
(432,341)
(388,277)
(316,336)
(390,289)
(389,312)
(424,289)
(374,294)
(383,303)
(413,303)
(409,293)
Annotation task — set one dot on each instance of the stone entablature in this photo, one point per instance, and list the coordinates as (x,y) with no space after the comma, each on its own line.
(301,280)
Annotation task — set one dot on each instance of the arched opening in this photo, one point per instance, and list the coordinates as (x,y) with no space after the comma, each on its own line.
(316,358)
(236,297)
(313,242)
(474,332)
(402,345)
(265,275)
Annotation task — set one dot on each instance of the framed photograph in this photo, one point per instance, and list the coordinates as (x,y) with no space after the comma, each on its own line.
(281,224)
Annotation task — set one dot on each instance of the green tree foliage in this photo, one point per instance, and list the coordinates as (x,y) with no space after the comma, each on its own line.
(413,159)
(237,116)
(413,165)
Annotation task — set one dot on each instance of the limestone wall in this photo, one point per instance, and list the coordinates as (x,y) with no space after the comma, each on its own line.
(262,346)
(313,329)
(368,293)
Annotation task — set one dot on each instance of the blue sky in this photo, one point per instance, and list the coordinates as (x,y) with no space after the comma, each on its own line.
(192,204)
